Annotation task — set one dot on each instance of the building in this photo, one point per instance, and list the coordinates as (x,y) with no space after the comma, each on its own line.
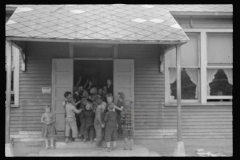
(135,46)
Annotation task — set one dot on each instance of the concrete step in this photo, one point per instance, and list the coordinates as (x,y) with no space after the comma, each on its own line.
(153,136)
(156,131)
(87,144)
(153,154)
(138,150)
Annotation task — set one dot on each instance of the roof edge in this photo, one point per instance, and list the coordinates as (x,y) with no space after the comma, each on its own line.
(94,41)
(201,14)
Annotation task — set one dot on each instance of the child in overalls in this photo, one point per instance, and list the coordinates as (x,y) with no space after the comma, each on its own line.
(111,125)
(88,116)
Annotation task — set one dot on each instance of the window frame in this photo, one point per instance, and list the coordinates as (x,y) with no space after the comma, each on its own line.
(15,68)
(203,66)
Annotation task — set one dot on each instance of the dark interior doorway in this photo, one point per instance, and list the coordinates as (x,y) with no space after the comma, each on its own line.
(98,71)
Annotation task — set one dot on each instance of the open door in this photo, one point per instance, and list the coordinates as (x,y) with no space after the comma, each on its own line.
(62,81)
(124,80)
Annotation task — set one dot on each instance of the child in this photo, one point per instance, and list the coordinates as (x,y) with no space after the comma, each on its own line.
(110,120)
(70,118)
(49,130)
(109,87)
(88,116)
(127,126)
(98,121)
(77,100)
(120,106)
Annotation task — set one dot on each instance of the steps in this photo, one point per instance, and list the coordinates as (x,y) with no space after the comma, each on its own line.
(80,149)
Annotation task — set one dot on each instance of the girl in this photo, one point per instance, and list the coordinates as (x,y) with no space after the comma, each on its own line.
(49,130)
(119,108)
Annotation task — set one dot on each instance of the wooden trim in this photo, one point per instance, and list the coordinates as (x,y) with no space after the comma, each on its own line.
(16,77)
(220,67)
(93,41)
(203,71)
(115,51)
(179,94)
(207,30)
(201,14)
(200,104)
(71,50)
(219,97)
(185,67)
(106,59)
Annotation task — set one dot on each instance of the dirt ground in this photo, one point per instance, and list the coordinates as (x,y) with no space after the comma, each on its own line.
(164,147)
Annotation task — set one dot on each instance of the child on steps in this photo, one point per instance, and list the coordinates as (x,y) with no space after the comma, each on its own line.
(49,130)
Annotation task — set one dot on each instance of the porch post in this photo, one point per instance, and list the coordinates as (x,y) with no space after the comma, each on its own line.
(179,95)
(8,146)
(179,149)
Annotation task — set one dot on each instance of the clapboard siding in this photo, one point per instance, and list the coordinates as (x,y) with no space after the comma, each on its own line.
(148,83)
(38,74)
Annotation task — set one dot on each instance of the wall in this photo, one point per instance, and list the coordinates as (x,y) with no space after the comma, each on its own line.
(38,74)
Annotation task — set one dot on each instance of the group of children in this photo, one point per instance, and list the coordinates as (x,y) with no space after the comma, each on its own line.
(93,117)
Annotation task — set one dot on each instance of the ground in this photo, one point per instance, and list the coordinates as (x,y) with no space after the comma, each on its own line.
(164,147)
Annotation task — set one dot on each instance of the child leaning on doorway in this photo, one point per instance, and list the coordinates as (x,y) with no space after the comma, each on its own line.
(49,130)
(71,119)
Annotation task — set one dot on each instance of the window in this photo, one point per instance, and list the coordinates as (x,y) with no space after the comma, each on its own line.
(14,75)
(206,68)
(190,71)
(219,66)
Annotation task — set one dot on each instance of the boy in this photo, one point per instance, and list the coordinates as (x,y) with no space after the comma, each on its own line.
(70,118)
(98,122)
(88,116)
(110,120)
(127,126)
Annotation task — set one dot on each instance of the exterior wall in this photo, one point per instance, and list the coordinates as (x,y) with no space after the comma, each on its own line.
(38,74)
(149,84)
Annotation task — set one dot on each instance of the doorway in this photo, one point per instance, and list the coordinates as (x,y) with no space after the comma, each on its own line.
(96,71)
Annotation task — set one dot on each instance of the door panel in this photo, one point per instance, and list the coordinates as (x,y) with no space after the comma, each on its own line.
(124,80)
(62,81)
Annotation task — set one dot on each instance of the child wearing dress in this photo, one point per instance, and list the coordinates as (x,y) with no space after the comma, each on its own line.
(49,130)
(120,106)
(88,116)
(111,125)
(127,126)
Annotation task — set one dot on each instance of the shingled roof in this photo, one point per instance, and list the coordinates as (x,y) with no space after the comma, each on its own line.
(117,22)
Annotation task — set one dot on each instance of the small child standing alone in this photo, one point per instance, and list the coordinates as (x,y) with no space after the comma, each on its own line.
(110,120)
(49,130)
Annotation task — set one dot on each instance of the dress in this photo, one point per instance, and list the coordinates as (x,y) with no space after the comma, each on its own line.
(48,130)
(120,103)
(127,124)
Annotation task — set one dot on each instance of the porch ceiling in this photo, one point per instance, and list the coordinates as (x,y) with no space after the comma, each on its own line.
(117,22)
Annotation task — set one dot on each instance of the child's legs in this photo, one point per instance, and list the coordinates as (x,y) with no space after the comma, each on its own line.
(67,128)
(52,141)
(82,126)
(46,141)
(98,130)
(108,133)
(73,126)
(114,134)
(86,131)
(91,132)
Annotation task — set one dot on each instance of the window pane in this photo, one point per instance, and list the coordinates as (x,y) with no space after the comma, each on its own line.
(219,48)
(189,52)
(189,83)
(220,85)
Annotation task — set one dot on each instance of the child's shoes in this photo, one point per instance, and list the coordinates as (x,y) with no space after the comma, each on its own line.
(52,147)
(108,149)
(84,141)
(47,148)
(113,148)
(66,140)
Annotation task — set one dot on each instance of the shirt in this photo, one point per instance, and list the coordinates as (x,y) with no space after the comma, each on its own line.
(110,89)
(99,115)
(119,105)
(110,119)
(70,110)
(88,116)
(47,117)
